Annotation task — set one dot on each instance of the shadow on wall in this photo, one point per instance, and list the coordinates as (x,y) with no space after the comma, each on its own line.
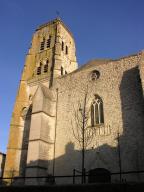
(23,158)
(104,157)
(132,106)
(65,164)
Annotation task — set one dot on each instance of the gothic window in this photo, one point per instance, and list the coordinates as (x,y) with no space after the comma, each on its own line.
(48,42)
(42,45)
(62,71)
(62,45)
(46,66)
(65,72)
(66,51)
(97,115)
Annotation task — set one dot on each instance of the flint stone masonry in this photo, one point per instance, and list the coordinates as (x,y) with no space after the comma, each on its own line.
(120,88)
(46,117)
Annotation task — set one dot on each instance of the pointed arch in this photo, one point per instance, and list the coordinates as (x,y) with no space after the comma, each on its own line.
(97,113)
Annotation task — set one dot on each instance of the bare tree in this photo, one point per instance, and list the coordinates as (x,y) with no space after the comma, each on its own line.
(82,132)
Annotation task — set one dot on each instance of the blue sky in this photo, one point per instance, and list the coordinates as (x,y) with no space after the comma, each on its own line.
(102,29)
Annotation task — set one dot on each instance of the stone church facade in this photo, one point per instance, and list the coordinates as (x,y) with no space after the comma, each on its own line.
(58,106)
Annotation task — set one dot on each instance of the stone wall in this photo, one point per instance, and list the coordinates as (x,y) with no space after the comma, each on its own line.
(120,88)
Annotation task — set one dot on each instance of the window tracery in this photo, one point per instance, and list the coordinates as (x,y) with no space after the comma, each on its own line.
(97,113)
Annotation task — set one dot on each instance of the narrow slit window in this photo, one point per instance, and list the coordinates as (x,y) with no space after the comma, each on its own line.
(66,51)
(62,71)
(92,115)
(62,45)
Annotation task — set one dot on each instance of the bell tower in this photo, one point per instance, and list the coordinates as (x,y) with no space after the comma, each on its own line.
(54,49)
(51,55)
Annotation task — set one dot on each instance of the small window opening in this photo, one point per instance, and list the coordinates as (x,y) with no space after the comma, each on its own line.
(42,45)
(46,67)
(49,42)
(39,70)
(62,45)
(95,75)
(66,50)
(65,72)
(62,71)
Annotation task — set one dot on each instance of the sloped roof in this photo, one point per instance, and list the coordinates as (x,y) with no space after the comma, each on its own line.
(88,65)
(95,62)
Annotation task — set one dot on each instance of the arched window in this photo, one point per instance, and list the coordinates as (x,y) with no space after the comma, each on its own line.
(97,115)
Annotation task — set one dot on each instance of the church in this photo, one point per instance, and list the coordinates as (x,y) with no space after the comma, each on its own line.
(67,118)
